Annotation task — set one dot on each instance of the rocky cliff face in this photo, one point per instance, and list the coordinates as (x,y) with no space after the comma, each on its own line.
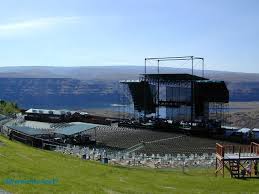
(244,91)
(72,93)
(93,87)
(58,92)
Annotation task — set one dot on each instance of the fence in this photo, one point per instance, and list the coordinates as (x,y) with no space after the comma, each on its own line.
(143,160)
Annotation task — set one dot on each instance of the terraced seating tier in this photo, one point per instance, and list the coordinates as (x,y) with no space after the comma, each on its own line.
(154,142)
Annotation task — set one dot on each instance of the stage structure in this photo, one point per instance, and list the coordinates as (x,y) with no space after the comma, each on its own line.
(177,97)
(240,160)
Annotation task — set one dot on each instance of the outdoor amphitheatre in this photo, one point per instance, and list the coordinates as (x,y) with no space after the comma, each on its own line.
(170,134)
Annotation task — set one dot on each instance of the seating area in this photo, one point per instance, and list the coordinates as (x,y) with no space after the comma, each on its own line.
(123,137)
(141,160)
(151,142)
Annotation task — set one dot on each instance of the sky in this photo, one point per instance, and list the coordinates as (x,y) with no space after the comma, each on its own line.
(124,32)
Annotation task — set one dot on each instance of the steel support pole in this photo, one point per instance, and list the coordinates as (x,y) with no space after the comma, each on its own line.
(203,67)
(145,65)
(192,96)
(145,98)
(158,88)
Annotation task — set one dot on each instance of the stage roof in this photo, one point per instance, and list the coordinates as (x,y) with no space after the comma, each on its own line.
(41,128)
(173,77)
(2,117)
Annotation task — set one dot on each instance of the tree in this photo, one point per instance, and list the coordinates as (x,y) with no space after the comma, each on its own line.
(8,108)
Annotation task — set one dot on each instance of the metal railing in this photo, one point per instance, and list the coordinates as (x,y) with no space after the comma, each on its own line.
(252,149)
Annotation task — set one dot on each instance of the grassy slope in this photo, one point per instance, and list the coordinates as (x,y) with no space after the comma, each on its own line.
(18,161)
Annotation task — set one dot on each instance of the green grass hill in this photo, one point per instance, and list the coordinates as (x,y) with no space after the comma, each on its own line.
(74,175)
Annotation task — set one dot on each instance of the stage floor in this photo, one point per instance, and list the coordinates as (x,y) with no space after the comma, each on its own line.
(242,157)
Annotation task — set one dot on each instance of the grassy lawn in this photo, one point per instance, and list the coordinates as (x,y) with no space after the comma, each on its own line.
(21,162)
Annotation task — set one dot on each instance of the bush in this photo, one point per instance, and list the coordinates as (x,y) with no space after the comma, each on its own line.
(8,108)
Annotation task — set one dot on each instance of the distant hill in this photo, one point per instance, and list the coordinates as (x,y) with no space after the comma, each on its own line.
(58,93)
(97,86)
(114,73)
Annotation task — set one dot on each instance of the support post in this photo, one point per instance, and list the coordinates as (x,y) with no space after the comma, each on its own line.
(145,100)
(95,133)
(145,70)
(223,168)
(192,95)
(203,73)
(238,161)
(216,166)
(158,88)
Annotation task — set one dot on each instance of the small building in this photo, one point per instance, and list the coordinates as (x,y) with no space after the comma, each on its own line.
(243,134)
(255,132)
(46,115)
(229,131)
(243,130)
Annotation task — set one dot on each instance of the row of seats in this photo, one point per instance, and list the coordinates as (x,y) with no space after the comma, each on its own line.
(124,138)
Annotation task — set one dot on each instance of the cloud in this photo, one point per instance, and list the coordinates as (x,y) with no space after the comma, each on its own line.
(36,24)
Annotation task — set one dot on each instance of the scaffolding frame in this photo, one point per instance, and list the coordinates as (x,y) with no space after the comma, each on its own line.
(159,80)
(166,59)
